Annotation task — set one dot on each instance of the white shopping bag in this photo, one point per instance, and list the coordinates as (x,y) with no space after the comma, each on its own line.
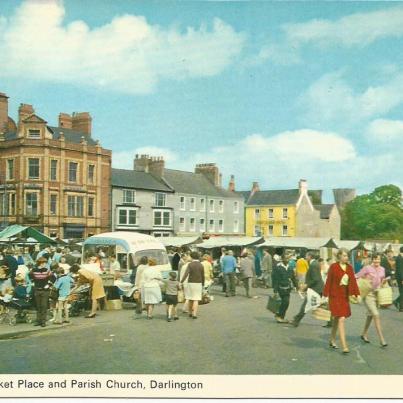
(313,300)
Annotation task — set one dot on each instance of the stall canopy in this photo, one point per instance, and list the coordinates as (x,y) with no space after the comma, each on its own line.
(227,241)
(178,241)
(350,245)
(24,234)
(299,242)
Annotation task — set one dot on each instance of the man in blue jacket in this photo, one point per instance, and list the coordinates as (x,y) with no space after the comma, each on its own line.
(228,266)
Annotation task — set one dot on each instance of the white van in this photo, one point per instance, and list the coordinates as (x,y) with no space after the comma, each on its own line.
(129,248)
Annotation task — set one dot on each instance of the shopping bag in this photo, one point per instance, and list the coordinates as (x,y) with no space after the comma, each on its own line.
(384,296)
(365,286)
(273,304)
(181,296)
(321,314)
(313,300)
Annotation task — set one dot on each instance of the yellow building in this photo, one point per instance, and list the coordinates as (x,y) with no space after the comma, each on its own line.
(289,213)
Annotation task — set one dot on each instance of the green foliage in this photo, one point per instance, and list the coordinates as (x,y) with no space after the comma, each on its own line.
(378,215)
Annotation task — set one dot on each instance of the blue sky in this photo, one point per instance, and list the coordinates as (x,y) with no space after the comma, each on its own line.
(270,91)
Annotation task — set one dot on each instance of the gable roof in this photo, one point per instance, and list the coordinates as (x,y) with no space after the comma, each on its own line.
(274,197)
(324,209)
(137,180)
(34,119)
(192,183)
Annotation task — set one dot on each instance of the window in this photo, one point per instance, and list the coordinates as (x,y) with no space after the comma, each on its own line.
(53,170)
(73,168)
(211,227)
(160,199)
(34,133)
(75,206)
(10,169)
(202,204)
(53,204)
(236,226)
(271,228)
(285,230)
(202,225)
(91,174)
(285,212)
(33,168)
(192,204)
(12,204)
(192,226)
(91,204)
(162,218)
(257,213)
(211,206)
(221,206)
(257,230)
(182,224)
(236,207)
(127,216)
(7,204)
(220,225)
(182,203)
(271,213)
(31,204)
(129,196)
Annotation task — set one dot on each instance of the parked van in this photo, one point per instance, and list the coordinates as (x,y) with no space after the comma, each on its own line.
(129,248)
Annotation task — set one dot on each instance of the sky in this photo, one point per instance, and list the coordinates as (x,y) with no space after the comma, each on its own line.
(271,92)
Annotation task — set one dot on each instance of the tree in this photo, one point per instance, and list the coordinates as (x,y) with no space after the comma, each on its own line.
(377,215)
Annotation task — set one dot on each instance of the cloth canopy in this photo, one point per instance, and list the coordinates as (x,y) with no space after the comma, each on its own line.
(178,241)
(24,232)
(350,245)
(227,241)
(299,242)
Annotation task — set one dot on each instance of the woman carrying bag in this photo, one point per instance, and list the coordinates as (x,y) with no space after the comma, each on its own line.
(375,275)
(340,285)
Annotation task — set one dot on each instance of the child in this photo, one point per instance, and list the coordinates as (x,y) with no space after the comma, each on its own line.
(172,296)
(63,285)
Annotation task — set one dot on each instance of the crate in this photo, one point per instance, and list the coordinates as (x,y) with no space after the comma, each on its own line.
(108,280)
(113,305)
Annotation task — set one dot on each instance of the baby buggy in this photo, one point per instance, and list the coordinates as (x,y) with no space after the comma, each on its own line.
(15,311)
(79,300)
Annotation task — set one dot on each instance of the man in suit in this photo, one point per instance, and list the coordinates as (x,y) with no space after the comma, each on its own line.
(398,302)
(313,280)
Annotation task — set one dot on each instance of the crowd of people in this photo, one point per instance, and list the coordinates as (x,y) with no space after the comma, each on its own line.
(52,275)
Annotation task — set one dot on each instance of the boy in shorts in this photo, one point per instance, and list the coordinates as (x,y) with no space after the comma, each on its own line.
(172,296)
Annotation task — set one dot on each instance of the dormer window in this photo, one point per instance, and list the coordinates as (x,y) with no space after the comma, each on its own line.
(34,134)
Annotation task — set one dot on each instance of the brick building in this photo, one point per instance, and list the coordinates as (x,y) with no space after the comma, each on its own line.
(56,179)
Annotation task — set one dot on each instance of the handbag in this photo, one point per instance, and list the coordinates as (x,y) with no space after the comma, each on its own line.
(321,314)
(384,296)
(365,286)
(273,304)
(181,296)
(54,293)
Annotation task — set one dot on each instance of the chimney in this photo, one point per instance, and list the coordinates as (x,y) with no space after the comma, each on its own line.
(231,185)
(210,171)
(141,163)
(3,112)
(82,122)
(65,120)
(24,111)
(343,196)
(255,188)
(303,186)
(156,166)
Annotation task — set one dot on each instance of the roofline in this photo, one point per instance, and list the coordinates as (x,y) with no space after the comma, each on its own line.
(141,188)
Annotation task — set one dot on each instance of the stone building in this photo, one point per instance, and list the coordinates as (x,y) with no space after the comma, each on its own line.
(290,213)
(54,178)
(169,201)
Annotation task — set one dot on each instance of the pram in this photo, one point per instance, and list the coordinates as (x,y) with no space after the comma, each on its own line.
(15,311)
(79,300)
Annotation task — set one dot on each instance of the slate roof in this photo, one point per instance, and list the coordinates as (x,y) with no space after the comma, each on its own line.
(192,183)
(274,197)
(325,209)
(71,136)
(245,194)
(128,178)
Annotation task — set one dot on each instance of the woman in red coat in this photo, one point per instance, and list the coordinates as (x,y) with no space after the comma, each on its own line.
(340,284)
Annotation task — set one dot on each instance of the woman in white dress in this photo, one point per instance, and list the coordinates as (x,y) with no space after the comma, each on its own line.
(151,290)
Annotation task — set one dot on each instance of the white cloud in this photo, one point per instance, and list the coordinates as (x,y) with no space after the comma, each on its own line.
(331,99)
(386,131)
(127,54)
(360,29)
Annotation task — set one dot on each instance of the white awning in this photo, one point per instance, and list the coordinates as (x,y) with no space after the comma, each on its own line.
(299,242)
(178,241)
(227,241)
